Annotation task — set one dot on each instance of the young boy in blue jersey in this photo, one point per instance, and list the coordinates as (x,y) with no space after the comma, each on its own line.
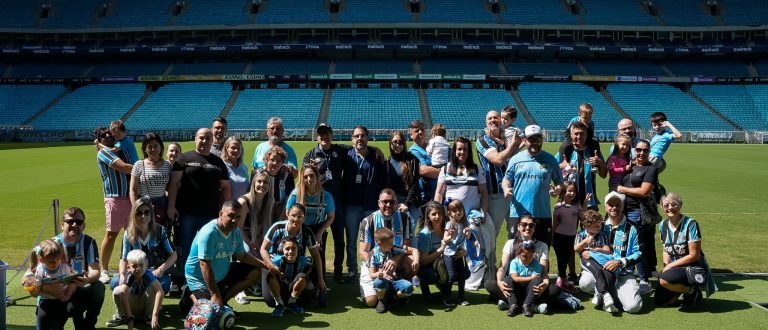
(592,244)
(140,294)
(664,134)
(294,280)
(388,284)
(523,275)
(123,143)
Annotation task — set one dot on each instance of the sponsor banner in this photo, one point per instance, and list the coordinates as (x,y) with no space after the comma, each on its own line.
(473,77)
(385,76)
(506,77)
(430,76)
(703,79)
(363,76)
(341,76)
(711,136)
(627,78)
(407,76)
(593,78)
(674,79)
(117,79)
(648,79)
(452,77)
(318,76)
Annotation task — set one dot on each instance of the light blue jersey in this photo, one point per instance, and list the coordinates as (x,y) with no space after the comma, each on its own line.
(517,267)
(530,178)
(317,208)
(660,143)
(212,245)
(624,244)
(427,186)
(676,244)
(128,149)
(429,241)
(261,150)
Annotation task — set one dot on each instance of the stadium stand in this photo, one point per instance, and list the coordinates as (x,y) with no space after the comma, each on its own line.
(293,11)
(759,94)
(20,102)
(684,13)
(297,107)
(762,68)
(380,11)
(137,13)
(373,108)
(95,105)
(737,103)
(48,70)
(751,13)
(374,66)
(552,105)
(536,12)
(721,67)
(208,68)
(128,68)
(213,12)
(456,11)
(19,14)
(600,12)
(459,66)
(466,108)
(542,68)
(72,14)
(640,100)
(289,66)
(181,106)
(637,67)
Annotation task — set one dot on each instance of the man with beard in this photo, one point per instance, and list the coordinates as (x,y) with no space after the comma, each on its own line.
(583,163)
(275,132)
(528,179)
(429,174)
(219,130)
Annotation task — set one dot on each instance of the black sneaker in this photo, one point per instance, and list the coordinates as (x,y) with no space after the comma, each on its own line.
(528,310)
(352,277)
(381,307)
(234,313)
(513,310)
(338,278)
(118,320)
(690,300)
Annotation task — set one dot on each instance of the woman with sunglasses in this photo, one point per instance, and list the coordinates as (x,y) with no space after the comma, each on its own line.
(500,290)
(638,186)
(143,233)
(403,177)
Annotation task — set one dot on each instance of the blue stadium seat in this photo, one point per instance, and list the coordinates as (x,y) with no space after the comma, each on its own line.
(762,68)
(737,103)
(374,108)
(536,12)
(542,68)
(640,100)
(466,108)
(48,70)
(128,69)
(721,68)
(456,11)
(374,66)
(208,68)
(751,13)
(380,11)
(293,11)
(91,106)
(73,14)
(19,14)
(289,66)
(456,66)
(601,12)
(181,106)
(20,102)
(552,105)
(213,12)
(138,13)
(634,67)
(759,94)
(684,13)
(298,108)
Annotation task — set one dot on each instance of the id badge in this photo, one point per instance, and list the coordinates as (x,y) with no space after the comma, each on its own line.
(358,178)
(328,175)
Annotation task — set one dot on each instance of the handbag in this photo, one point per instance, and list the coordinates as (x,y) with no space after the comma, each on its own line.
(649,211)
(697,275)
(442,271)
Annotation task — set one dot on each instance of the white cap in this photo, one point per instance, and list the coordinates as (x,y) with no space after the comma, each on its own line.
(532,130)
(612,195)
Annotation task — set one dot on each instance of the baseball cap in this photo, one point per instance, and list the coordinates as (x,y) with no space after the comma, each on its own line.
(324,128)
(532,130)
(612,195)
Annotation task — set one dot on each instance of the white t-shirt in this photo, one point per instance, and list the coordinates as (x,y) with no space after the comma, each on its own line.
(152,181)
(541,254)
(463,187)
(439,149)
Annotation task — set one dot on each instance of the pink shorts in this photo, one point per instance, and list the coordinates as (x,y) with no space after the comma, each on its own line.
(118,213)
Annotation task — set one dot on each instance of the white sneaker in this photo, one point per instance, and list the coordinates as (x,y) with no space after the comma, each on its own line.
(104,277)
(645,287)
(502,305)
(597,299)
(611,309)
(607,301)
(416,281)
(242,299)
(541,308)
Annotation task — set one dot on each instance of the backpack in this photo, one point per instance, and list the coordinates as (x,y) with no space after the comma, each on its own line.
(206,315)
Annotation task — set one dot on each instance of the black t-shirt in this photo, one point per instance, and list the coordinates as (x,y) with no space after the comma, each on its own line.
(200,184)
(640,174)
(333,158)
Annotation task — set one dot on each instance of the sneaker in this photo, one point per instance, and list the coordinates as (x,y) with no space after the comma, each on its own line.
(338,278)
(234,313)
(502,304)
(381,307)
(104,277)
(568,287)
(559,282)
(645,287)
(690,300)
(528,310)
(242,299)
(278,311)
(611,309)
(573,279)
(448,303)
(541,308)
(295,308)
(416,281)
(464,302)
(513,310)
(118,320)
(597,299)
(352,277)
(175,290)
(607,299)
(257,291)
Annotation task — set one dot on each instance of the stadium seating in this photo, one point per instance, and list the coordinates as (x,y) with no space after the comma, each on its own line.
(684,13)
(208,68)
(640,100)
(459,66)
(90,106)
(721,68)
(759,94)
(19,14)
(137,13)
(542,68)
(298,108)
(736,103)
(374,66)
(380,11)
(20,102)
(213,12)
(635,67)
(72,14)
(121,69)
(181,106)
(48,70)
(552,105)
(456,11)
(466,108)
(293,11)
(600,12)
(762,68)
(374,108)
(752,13)
(536,12)
(289,66)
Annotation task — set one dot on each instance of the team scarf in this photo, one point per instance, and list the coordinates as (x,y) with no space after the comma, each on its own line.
(397,226)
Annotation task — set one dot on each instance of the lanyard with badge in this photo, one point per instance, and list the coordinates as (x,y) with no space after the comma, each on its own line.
(359,177)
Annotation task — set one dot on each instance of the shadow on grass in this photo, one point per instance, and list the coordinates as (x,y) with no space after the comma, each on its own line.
(33,145)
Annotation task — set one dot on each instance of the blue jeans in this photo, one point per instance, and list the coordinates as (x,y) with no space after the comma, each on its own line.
(337,230)
(165,282)
(188,227)
(354,214)
(642,266)
(401,285)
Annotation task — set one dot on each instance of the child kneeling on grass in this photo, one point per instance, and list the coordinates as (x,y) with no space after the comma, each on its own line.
(46,276)
(387,283)
(524,275)
(139,295)
(294,280)
(592,244)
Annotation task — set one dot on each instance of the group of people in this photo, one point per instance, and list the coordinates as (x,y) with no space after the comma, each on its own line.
(421,216)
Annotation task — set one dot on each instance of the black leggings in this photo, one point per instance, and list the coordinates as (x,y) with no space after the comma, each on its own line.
(563,245)
(495,292)
(457,272)
(51,314)
(524,291)
(674,275)
(604,280)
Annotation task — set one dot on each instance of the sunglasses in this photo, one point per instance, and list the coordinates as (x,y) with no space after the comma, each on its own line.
(388,202)
(527,224)
(74,222)
(645,150)
(146,213)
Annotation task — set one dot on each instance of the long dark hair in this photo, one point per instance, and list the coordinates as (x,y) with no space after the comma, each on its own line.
(403,158)
(454,163)
(424,220)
